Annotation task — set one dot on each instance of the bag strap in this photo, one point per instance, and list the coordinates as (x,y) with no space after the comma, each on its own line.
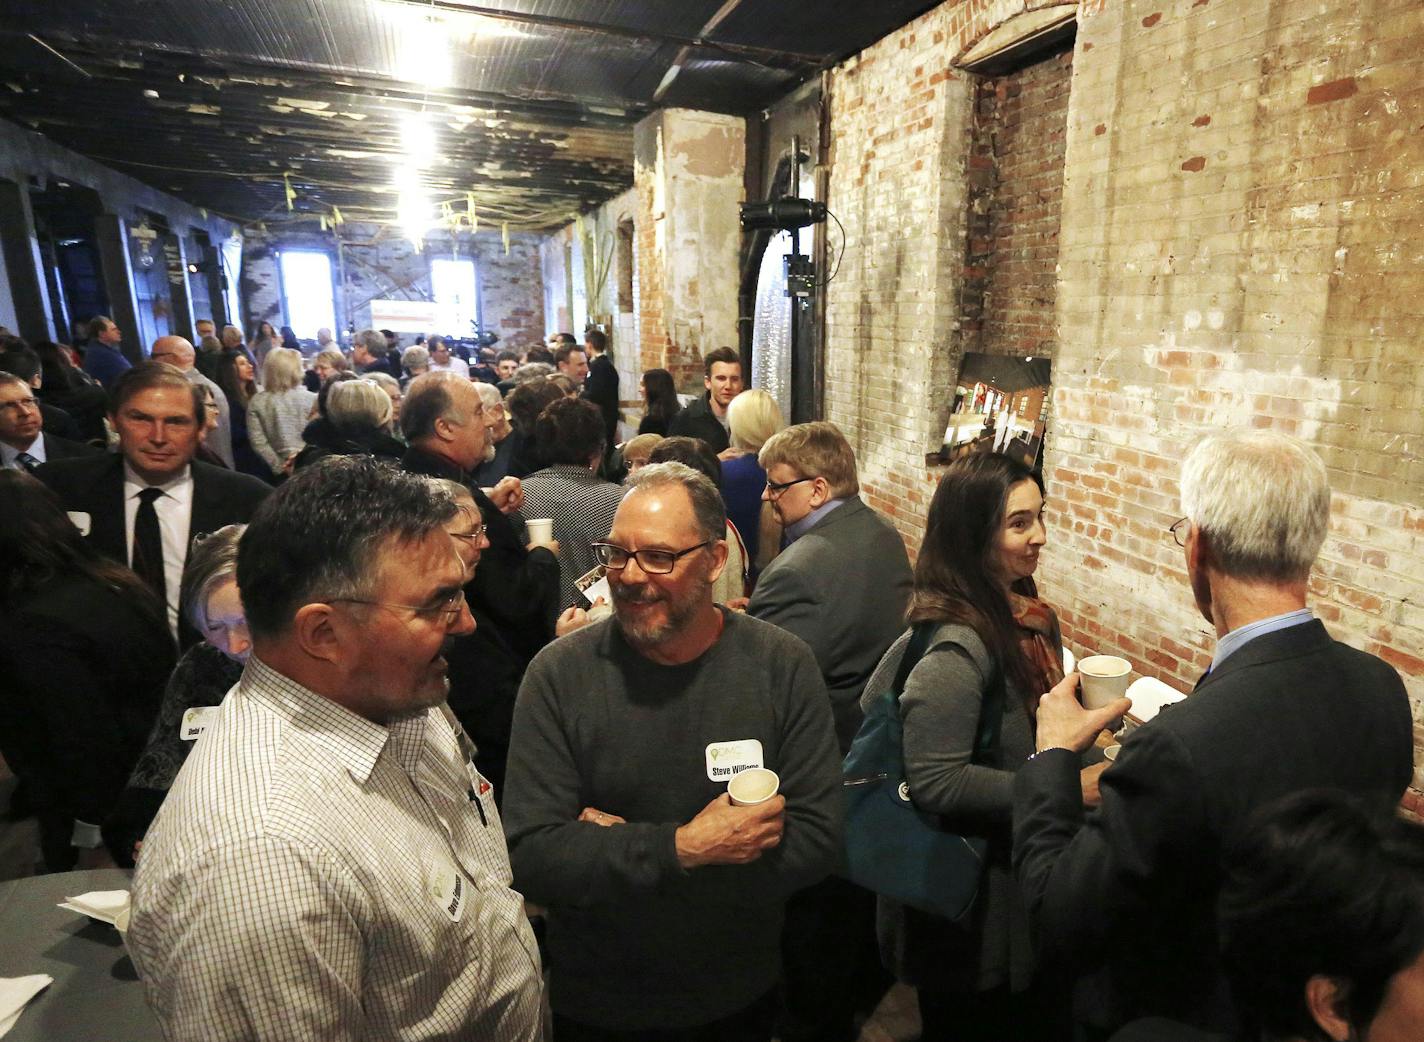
(991,712)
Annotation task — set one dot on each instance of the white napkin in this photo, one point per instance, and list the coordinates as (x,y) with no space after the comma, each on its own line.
(1149,697)
(15,994)
(107,906)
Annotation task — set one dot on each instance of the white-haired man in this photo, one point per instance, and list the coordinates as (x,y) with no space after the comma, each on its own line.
(1126,895)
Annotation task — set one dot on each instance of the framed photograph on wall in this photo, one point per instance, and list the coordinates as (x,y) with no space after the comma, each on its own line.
(1001,404)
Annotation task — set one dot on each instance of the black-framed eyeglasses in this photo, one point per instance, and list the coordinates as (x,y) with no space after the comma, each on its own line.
(776,488)
(655,562)
(1179,530)
(450,607)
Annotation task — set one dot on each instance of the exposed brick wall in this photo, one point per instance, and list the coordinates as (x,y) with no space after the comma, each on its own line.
(1028,130)
(1243,197)
(386,266)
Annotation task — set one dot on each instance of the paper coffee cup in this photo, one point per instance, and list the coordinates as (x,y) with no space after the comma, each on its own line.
(540,529)
(1102,679)
(1110,753)
(754,785)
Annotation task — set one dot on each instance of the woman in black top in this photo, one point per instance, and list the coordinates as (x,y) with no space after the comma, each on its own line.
(662,403)
(85,650)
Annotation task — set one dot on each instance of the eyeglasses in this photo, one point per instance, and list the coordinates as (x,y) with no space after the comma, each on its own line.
(1179,530)
(473,535)
(450,607)
(776,488)
(655,562)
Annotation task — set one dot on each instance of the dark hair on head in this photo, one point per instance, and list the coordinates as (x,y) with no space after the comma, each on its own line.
(238,390)
(954,573)
(569,431)
(289,338)
(527,401)
(596,339)
(55,364)
(147,376)
(725,355)
(434,341)
(539,353)
(38,543)
(358,504)
(19,358)
(565,350)
(694,452)
(1320,883)
(507,356)
(323,395)
(661,395)
(97,325)
(566,338)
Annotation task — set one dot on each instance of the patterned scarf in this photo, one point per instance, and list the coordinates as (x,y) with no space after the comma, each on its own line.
(1035,621)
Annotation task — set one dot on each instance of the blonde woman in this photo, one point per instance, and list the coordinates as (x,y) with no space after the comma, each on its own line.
(752,418)
(278,413)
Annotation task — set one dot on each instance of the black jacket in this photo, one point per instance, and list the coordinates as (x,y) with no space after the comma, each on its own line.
(84,672)
(323,439)
(697,421)
(1126,895)
(515,587)
(601,388)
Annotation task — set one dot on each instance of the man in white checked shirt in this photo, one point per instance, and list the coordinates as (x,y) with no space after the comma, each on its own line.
(328,865)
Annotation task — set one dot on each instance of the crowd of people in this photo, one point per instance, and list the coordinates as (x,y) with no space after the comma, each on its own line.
(408,690)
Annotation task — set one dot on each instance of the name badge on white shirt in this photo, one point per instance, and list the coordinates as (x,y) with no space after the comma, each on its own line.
(196,721)
(725,759)
(450,890)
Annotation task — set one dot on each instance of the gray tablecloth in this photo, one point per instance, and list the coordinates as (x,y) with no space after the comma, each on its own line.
(96,996)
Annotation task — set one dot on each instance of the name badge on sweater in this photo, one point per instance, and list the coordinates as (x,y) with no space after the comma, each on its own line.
(196,721)
(449,889)
(725,759)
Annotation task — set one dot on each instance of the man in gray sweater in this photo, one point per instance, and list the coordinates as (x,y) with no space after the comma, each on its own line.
(665,899)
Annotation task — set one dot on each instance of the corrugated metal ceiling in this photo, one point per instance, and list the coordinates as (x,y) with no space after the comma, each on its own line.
(527,106)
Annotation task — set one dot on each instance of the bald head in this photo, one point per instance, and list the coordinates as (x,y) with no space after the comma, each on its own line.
(174,350)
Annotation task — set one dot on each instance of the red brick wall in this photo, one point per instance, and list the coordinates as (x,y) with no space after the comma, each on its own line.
(1242,205)
(1028,130)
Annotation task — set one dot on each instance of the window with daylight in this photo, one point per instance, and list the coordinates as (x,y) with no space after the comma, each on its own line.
(307,295)
(456,293)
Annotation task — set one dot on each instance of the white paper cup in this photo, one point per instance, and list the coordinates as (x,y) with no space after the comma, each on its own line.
(1110,753)
(1103,679)
(599,611)
(754,785)
(541,530)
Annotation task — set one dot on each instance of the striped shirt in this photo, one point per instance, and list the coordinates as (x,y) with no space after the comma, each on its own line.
(316,875)
(581,505)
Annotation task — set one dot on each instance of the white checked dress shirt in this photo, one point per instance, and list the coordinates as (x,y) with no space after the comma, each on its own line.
(313,875)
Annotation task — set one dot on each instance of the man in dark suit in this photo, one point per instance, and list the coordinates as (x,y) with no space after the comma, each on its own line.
(144,505)
(601,384)
(1124,897)
(23,444)
(842,585)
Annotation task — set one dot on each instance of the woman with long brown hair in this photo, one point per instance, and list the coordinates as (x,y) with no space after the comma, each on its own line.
(85,651)
(238,380)
(993,641)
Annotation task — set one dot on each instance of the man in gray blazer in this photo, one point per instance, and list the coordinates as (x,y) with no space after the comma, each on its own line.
(842,584)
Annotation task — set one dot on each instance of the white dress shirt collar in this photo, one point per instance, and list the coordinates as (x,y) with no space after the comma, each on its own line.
(9,454)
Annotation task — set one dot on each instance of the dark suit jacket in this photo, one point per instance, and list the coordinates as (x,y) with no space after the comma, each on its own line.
(697,421)
(95,485)
(62,448)
(843,588)
(84,673)
(601,388)
(54,420)
(1126,894)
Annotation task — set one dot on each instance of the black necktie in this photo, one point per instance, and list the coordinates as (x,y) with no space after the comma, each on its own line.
(27,461)
(148,544)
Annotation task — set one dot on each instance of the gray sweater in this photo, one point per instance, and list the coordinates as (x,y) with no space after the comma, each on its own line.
(940,711)
(636,941)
